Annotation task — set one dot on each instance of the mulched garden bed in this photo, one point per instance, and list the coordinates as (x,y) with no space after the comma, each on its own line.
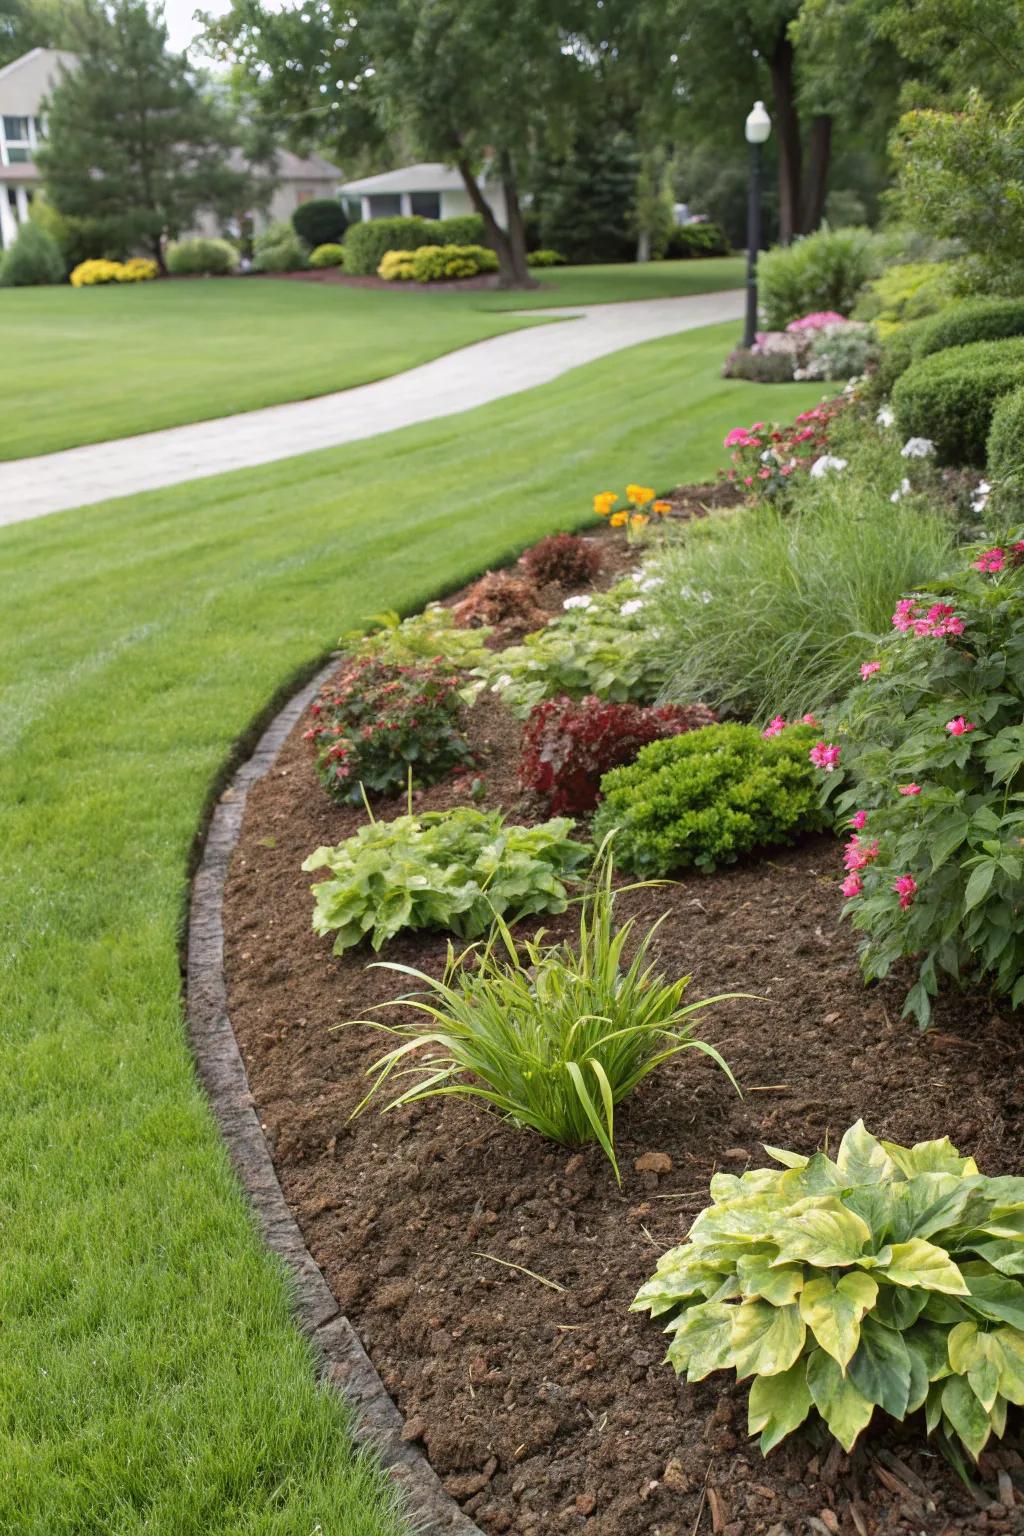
(484,282)
(550,1410)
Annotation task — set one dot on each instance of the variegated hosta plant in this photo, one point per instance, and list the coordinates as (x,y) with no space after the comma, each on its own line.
(891,1278)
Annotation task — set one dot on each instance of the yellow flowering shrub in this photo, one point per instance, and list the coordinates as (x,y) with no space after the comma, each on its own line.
(137,269)
(396,266)
(436,263)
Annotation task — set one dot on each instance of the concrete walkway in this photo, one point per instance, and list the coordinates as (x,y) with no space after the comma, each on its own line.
(475,375)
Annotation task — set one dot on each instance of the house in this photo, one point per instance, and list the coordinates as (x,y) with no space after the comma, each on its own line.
(25,84)
(431,190)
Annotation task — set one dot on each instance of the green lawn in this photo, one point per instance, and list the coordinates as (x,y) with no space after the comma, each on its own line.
(97,363)
(152,1379)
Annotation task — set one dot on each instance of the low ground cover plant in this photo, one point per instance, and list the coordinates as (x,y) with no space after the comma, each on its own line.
(552,1036)
(563,558)
(817,346)
(327,255)
(382,726)
(950,396)
(201,257)
(568,745)
(823,271)
(882,1279)
(429,635)
(932,784)
(448,870)
(707,797)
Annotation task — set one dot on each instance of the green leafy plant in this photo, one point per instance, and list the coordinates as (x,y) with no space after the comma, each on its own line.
(545,259)
(1004,455)
(367,243)
(883,1279)
(432,634)
(443,263)
(699,239)
(201,256)
(906,291)
(451,870)
(327,255)
(320,222)
(279,249)
(932,745)
(33,260)
(826,270)
(708,796)
(552,1036)
(950,396)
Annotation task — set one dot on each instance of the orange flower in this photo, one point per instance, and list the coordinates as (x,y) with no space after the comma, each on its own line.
(619,519)
(640,495)
(639,520)
(661,507)
(604,501)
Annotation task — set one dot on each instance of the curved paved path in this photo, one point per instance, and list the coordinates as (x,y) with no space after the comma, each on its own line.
(457,381)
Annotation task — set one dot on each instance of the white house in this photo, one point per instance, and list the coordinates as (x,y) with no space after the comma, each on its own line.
(431,190)
(25,84)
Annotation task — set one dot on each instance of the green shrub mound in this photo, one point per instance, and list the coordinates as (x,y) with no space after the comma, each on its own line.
(327,256)
(1005,453)
(908,290)
(823,271)
(444,263)
(368,243)
(201,257)
(705,798)
(973,320)
(279,249)
(686,241)
(321,221)
(899,350)
(448,870)
(545,259)
(950,397)
(34,260)
(884,1279)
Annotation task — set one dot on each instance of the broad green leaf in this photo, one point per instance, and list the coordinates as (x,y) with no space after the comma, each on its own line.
(819,1176)
(765,1339)
(920,1263)
(978,887)
(966,1415)
(703,1340)
(930,1157)
(1010,1357)
(930,1341)
(833,1312)
(995,1296)
(844,1408)
(976,1356)
(757,1278)
(778,1404)
(821,1231)
(881,1368)
(899,1308)
(787,1159)
(862,1159)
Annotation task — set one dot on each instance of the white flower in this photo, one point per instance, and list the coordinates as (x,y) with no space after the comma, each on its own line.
(583,601)
(651,582)
(904,490)
(917,448)
(501,682)
(632,606)
(828,462)
(885,416)
(705,597)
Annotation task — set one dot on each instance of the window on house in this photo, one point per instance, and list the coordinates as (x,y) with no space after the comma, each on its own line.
(426,204)
(15,141)
(16,128)
(385,205)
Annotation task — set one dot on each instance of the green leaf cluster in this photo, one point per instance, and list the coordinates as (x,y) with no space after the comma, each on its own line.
(449,870)
(823,271)
(708,796)
(884,1279)
(950,396)
(423,636)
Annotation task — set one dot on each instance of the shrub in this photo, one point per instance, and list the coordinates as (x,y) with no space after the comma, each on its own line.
(80,239)
(422,637)
(971,320)
(92,274)
(883,1279)
(568,746)
(545,259)
(825,270)
(367,243)
(449,870)
(840,352)
(201,257)
(769,461)
(550,1035)
(396,266)
(760,366)
(327,256)
(563,558)
(279,249)
(708,796)
(909,291)
(499,599)
(950,396)
(701,239)
(899,350)
(321,221)
(444,263)
(138,269)
(1004,453)
(933,743)
(381,723)
(33,260)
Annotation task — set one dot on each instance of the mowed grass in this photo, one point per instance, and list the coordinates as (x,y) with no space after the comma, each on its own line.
(153,1381)
(99,363)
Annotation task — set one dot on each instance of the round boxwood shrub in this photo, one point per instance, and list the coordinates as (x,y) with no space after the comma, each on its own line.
(705,798)
(321,221)
(974,320)
(327,256)
(201,257)
(950,396)
(899,350)
(1006,452)
(34,259)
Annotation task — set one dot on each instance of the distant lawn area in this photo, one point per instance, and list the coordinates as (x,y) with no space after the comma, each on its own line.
(99,363)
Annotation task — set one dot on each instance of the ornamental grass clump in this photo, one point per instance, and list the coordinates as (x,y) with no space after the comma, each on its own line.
(883,1279)
(447,870)
(552,1036)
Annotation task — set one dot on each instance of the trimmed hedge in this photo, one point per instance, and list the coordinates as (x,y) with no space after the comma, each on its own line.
(321,221)
(898,352)
(951,396)
(975,320)
(368,243)
(329,255)
(1006,452)
(201,256)
(34,259)
(686,241)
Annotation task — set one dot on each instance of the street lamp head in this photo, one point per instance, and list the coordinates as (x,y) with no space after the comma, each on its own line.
(759,124)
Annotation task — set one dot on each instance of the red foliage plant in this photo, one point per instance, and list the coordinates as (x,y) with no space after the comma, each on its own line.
(501,601)
(564,558)
(568,744)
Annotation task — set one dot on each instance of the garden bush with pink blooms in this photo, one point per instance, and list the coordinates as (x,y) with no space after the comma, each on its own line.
(927,777)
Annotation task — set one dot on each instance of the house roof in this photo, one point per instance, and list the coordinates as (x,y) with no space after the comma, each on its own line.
(305,168)
(53,56)
(429,176)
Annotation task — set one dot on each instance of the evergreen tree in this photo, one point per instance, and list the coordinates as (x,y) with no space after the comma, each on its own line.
(136,144)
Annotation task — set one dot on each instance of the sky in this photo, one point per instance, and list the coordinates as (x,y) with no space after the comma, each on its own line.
(181,29)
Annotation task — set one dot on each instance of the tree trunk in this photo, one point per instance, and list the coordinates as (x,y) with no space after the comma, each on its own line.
(816,183)
(787,123)
(509,245)
(643,245)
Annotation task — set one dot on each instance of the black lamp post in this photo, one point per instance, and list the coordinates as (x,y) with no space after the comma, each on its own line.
(758,127)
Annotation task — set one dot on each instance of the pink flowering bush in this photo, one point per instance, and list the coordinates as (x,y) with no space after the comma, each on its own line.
(765,458)
(932,785)
(819,320)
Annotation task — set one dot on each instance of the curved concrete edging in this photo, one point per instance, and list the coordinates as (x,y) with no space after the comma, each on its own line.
(343,1364)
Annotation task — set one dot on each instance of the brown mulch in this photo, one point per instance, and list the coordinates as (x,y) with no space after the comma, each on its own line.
(484,282)
(550,1410)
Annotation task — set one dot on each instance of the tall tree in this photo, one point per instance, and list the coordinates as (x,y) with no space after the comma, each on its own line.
(135,142)
(27,24)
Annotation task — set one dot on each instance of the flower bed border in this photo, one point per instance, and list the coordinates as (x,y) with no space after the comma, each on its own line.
(343,1365)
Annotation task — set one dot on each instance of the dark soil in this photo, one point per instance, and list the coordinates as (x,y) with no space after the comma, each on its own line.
(484,282)
(550,1410)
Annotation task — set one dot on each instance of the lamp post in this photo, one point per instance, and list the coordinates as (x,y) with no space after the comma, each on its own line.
(758,127)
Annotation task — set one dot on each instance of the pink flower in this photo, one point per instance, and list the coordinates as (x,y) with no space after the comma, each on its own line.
(739,437)
(1017,552)
(909,789)
(774,728)
(857,855)
(869,668)
(992,560)
(824,756)
(959,726)
(859,820)
(852,885)
(817,321)
(808,720)
(903,618)
(906,889)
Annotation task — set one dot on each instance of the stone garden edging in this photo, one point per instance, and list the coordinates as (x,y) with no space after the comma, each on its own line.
(343,1364)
